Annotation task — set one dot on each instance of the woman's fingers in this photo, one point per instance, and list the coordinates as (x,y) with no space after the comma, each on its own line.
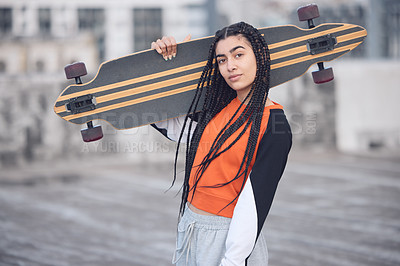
(170,44)
(166,46)
(163,47)
(154,45)
(173,45)
(187,38)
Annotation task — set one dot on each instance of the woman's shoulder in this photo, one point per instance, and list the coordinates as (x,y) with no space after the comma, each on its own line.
(268,102)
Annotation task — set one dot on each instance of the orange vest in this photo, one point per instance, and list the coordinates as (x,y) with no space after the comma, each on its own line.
(225,167)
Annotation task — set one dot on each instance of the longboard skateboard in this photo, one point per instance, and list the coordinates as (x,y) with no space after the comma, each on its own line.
(143,88)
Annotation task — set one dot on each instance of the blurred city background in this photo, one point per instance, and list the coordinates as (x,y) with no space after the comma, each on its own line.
(66,202)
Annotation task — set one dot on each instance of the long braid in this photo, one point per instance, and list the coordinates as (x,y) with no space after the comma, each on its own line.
(217,95)
(192,143)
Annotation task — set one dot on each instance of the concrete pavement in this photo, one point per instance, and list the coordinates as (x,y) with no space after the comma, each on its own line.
(330,209)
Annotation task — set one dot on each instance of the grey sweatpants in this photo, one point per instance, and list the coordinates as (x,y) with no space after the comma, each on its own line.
(201,241)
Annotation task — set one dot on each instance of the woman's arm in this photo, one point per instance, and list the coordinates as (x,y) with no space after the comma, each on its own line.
(167,48)
(256,198)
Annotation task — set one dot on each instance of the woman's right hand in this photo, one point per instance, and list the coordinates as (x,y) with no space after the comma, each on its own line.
(166,46)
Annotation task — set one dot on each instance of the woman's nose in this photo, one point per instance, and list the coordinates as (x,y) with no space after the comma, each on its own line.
(231,65)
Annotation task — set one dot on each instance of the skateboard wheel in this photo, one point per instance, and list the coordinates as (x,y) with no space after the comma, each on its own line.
(308,12)
(75,70)
(323,75)
(92,134)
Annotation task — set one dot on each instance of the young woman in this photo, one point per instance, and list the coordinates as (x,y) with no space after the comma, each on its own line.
(236,152)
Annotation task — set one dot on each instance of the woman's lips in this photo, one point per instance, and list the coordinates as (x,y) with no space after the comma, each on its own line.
(234,77)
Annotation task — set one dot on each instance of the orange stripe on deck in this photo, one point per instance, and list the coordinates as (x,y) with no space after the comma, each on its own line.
(131,102)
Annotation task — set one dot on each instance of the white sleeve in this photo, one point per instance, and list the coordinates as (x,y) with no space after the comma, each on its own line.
(172,128)
(242,233)
(255,200)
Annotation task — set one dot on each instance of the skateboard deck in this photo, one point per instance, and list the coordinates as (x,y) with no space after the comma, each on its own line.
(143,88)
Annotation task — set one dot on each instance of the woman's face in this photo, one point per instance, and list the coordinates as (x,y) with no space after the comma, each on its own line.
(237,63)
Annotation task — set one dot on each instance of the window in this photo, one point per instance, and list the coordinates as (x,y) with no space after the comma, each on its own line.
(3,67)
(92,20)
(147,26)
(40,66)
(391,29)
(5,20)
(44,21)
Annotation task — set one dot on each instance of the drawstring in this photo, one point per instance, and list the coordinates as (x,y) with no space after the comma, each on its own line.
(186,245)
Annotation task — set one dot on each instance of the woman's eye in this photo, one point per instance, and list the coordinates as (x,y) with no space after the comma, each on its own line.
(238,55)
(220,61)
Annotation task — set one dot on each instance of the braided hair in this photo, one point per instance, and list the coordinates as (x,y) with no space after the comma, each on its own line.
(217,95)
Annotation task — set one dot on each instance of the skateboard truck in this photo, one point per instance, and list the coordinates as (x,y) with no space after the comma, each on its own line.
(82,103)
(318,45)
(321,44)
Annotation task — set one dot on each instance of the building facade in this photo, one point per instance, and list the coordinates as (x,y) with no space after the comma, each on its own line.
(38,38)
